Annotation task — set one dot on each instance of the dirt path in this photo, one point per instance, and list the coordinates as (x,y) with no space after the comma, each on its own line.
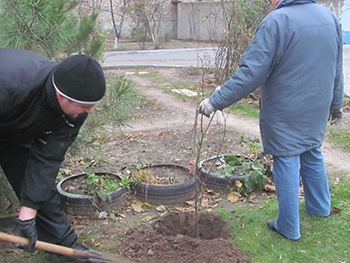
(182,113)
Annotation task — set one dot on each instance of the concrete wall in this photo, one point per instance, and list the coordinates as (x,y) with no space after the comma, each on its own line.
(202,20)
(199,20)
(193,22)
(168,22)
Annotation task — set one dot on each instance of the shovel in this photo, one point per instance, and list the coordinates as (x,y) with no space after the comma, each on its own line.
(81,255)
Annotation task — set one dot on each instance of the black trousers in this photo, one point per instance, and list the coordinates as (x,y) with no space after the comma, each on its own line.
(52,223)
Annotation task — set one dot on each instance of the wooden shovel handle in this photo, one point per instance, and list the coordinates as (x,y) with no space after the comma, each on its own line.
(48,247)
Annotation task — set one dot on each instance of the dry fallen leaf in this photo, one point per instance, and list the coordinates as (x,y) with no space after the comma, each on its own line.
(205,202)
(147,204)
(270,188)
(335,210)
(79,226)
(98,244)
(252,195)
(233,197)
(147,218)
(122,215)
(180,209)
(185,209)
(239,184)
(137,207)
(161,208)
(89,243)
(191,203)
(211,192)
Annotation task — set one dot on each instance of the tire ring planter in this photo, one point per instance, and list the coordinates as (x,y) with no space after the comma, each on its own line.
(85,204)
(167,194)
(213,181)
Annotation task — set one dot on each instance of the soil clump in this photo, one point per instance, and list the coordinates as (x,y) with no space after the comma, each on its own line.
(173,239)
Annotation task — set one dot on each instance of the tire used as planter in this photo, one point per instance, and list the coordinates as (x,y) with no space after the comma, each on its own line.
(167,193)
(213,181)
(218,182)
(88,205)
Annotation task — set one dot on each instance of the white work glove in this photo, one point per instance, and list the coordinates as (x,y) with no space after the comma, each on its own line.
(219,116)
(335,116)
(206,108)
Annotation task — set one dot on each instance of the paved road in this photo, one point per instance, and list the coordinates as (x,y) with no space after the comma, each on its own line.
(190,57)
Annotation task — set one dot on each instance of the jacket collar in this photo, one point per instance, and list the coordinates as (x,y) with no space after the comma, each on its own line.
(51,95)
(289,2)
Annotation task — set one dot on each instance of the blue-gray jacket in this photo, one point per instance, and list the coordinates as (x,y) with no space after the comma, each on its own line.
(295,58)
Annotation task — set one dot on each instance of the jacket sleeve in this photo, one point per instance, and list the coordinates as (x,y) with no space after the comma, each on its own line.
(255,67)
(46,156)
(338,92)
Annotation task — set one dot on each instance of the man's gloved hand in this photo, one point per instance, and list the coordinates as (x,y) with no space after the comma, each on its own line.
(206,108)
(27,229)
(336,116)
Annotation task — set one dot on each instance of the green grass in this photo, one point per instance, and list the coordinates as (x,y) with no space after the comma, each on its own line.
(153,74)
(247,110)
(19,256)
(323,239)
(340,137)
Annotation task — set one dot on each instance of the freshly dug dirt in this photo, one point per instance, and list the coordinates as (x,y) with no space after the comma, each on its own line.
(175,239)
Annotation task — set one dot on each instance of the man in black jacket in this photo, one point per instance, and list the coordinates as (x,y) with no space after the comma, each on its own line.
(42,107)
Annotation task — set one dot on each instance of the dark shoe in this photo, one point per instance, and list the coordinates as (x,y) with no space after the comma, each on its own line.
(62,258)
(271,224)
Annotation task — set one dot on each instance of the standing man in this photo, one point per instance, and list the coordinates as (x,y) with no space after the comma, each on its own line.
(42,107)
(295,58)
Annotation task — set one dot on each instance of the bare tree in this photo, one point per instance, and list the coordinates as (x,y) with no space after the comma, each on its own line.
(240,18)
(149,17)
(118,8)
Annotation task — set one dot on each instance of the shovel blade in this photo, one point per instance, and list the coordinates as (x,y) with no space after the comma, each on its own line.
(94,256)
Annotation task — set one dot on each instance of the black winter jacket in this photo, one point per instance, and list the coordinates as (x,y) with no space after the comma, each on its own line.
(30,114)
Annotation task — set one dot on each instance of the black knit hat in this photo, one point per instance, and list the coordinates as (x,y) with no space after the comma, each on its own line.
(80,78)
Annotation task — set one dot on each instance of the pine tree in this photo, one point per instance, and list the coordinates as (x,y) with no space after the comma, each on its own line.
(53,28)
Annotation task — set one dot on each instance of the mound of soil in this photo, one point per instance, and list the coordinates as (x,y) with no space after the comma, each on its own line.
(174,239)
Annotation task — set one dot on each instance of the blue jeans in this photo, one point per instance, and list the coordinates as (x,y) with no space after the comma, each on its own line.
(287,171)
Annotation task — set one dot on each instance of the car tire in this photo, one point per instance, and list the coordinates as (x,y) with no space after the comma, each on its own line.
(85,205)
(167,194)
